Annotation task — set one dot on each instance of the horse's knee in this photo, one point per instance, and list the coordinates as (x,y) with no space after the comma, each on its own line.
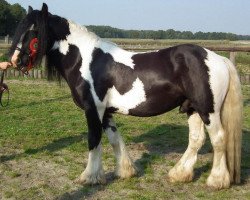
(196,131)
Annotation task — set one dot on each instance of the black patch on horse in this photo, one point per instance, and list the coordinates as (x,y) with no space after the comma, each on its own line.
(59,28)
(69,67)
(107,73)
(172,75)
(106,121)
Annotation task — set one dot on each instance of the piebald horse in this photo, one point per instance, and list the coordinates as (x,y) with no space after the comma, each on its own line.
(105,79)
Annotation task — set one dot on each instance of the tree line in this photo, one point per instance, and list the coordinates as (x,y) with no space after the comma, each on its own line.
(10,16)
(110,32)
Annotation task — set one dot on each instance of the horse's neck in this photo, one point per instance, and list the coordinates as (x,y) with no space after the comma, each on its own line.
(84,43)
(67,33)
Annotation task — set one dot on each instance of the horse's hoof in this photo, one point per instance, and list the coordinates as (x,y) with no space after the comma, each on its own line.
(91,179)
(218,182)
(180,176)
(126,169)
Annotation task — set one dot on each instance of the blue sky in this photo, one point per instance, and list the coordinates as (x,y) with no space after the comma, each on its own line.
(191,15)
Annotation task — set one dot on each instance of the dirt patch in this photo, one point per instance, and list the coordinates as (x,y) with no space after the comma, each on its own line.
(24,174)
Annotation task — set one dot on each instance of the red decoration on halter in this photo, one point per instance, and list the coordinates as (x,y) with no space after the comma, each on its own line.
(33,51)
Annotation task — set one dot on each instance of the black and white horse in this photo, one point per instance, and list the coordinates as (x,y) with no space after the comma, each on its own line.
(105,79)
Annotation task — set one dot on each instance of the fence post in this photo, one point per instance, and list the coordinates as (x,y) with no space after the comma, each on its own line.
(6,39)
(232,57)
(39,73)
(44,68)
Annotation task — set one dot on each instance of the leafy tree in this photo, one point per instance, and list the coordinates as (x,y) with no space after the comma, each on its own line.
(10,16)
(17,13)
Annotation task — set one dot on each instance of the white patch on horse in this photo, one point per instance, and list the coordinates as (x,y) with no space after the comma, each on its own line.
(119,55)
(32,27)
(127,101)
(218,77)
(16,53)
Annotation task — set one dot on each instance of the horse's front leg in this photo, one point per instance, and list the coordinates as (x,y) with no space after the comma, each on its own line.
(93,174)
(124,164)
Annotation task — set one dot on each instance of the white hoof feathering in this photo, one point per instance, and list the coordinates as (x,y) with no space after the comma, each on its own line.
(126,168)
(92,179)
(180,174)
(219,181)
(93,174)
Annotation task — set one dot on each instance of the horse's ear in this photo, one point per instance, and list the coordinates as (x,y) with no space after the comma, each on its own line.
(30,9)
(45,10)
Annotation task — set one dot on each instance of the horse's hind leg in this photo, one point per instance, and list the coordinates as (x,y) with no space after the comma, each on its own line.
(124,165)
(183,170)
(219,177)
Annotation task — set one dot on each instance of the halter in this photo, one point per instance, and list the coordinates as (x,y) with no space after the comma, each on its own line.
(4,90)
(32,56)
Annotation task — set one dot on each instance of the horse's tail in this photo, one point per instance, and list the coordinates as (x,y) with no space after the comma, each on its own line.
(231,117)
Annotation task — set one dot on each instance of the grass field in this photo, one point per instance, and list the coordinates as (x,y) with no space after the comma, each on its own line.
(43,148)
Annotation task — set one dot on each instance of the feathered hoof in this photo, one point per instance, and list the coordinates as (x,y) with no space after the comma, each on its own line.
(91,179)
(183,176)
(218,182)
(126,169)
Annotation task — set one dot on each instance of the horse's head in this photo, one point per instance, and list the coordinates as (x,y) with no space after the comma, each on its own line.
(30,40)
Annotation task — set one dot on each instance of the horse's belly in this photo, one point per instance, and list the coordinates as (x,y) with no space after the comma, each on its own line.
(139,103)
(157,105)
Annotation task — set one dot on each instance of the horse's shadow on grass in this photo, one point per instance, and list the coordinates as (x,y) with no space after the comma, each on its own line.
(170,138)
(164,140)
(54,146)
(87,191)
(35,103)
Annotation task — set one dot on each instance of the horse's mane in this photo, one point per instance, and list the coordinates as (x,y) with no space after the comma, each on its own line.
(83,30)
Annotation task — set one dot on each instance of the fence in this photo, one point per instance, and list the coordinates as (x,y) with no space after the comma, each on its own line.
(5,39)
(34,73)
(41,73)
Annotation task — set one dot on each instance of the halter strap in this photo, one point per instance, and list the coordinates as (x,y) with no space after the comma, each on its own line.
(2,77)
(19,49)
(4,88)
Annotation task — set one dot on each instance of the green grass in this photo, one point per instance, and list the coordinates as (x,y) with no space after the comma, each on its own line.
(43,148)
